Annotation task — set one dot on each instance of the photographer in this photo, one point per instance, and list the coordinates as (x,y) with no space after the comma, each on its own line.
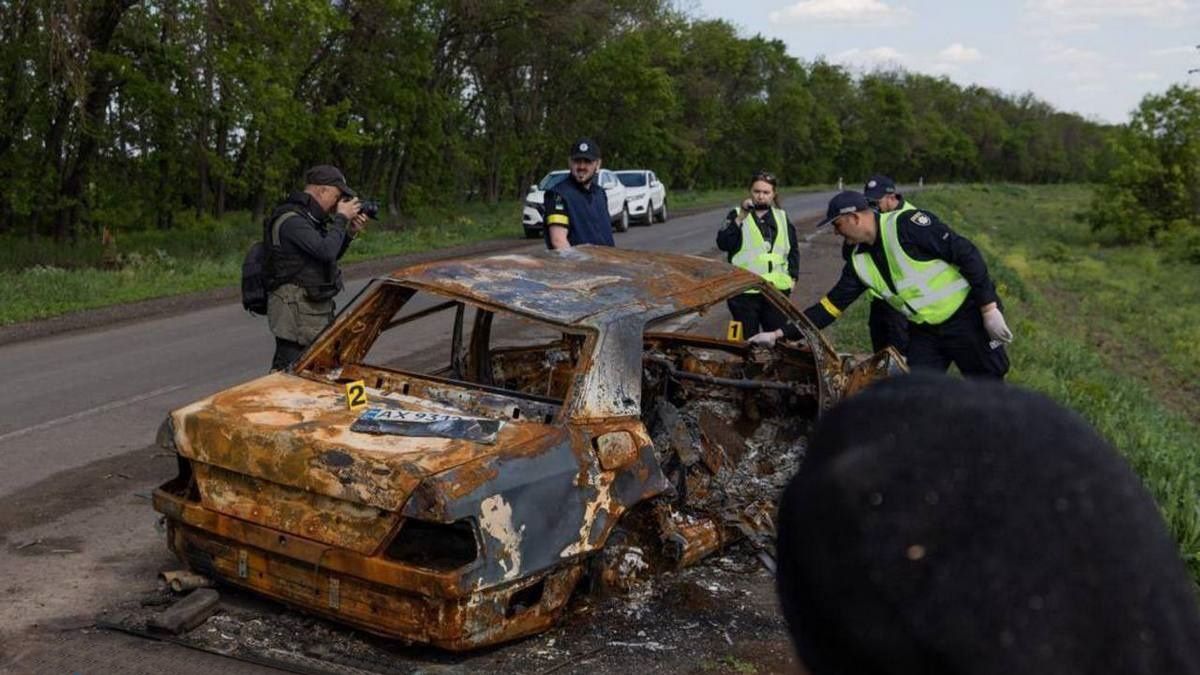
(306,235)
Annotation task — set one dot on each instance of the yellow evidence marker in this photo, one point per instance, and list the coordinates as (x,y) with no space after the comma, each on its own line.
(356,394)
(735,331)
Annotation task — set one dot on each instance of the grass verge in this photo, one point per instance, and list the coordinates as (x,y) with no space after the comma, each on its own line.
(1110,332)
(50,279)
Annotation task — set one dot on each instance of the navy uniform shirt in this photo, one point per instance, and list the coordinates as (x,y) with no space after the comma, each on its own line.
(923,237)
(582,210)
(729,238)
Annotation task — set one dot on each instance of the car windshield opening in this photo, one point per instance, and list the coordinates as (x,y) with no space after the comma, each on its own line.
(552,179)
(427,343)
(632,179)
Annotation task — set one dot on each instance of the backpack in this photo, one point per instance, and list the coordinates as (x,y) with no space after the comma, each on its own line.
(254,280)
(255,289)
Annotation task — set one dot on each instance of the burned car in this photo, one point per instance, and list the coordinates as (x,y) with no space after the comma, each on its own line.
(581,419)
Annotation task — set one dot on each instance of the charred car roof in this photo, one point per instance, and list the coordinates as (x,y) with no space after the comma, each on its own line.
(584,285)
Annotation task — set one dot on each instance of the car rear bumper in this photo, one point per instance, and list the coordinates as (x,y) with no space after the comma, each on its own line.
(373,593)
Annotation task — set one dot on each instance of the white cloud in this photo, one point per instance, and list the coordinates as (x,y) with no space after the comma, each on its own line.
(875,56)
(1146,76)
(1176,51)
(957,53)
(1056,53)
(1084,10)
(840,11)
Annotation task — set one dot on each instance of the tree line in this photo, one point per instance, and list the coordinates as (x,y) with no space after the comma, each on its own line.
(129,113)
(1150,176)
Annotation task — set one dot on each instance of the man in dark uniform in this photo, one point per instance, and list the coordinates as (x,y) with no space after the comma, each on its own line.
(306,236)
(577,208)
(888,327)
(923,269)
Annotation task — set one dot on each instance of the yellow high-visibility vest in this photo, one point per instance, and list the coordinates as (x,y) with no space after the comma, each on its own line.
(768,261)
(927,291)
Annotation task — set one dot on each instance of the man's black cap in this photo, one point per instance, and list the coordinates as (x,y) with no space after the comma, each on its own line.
(843,203)
(585,148)
(879,185)
(324,174)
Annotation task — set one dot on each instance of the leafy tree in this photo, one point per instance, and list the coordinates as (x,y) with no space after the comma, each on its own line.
(128,113)
(1153,184)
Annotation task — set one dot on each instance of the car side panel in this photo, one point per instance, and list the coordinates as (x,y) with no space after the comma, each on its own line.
(539,511)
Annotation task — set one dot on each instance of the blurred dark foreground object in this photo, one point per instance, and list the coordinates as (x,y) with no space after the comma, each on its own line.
(941,525)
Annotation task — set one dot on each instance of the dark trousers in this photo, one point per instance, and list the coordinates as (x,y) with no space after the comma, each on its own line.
(960,340)
(756,313)
(286,353)
(889,328)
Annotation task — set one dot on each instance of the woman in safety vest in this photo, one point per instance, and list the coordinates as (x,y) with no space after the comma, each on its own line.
(757,236)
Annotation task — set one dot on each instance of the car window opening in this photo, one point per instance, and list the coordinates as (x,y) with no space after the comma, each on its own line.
(530,365)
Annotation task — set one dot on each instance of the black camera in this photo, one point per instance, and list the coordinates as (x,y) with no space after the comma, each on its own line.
(370,208)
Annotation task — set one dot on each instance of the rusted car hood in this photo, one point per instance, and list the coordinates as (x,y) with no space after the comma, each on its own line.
(294,431)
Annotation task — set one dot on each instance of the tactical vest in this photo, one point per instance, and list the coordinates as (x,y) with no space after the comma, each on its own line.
(320,281)
(927,291)
(768,261)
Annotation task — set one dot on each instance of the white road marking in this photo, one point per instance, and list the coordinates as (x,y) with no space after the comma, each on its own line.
(75,417)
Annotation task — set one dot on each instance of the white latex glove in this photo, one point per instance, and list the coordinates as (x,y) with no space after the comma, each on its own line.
(766,339)
(997,329)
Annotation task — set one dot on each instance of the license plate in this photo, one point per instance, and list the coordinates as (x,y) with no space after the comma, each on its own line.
(426,424)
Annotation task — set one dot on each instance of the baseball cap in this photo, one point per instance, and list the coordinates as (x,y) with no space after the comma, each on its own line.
(585,148)
(879,185)
(324,174)
(843,203)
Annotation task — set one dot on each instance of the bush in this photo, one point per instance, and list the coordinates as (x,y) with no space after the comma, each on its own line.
(1153,181)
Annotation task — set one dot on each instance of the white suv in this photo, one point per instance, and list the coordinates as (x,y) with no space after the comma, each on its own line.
(645,194)
(532,218)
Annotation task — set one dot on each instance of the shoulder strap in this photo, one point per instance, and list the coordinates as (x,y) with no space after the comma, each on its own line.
(279,220)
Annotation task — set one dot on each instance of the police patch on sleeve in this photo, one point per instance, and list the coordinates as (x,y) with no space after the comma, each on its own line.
(921,218)
(558,202)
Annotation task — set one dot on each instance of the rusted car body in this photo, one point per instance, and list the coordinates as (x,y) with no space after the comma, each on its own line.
(464,505)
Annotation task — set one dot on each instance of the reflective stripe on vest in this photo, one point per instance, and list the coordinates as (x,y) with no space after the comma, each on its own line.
(768,261)
(927,291)
(903,207)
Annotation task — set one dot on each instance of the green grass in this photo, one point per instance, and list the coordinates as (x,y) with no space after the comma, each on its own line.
(1109,332)
(49,279)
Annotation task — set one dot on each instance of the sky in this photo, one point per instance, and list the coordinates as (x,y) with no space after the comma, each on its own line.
(1097,58)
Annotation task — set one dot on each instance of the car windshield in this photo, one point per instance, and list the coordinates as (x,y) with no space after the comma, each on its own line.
(527,363)
(632,178)
(552,179)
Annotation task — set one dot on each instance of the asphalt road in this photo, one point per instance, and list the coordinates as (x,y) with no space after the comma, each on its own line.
(73,399)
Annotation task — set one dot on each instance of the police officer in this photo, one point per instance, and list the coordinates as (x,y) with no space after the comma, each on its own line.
(306,235)
(888,327)
(926,271)
(577,208)
(757,236)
